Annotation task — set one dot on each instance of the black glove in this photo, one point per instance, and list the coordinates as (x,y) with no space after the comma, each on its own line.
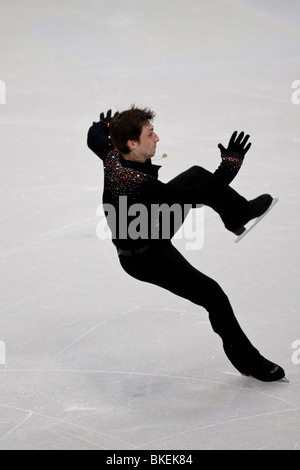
(98,135)
(106,120)
(234,155)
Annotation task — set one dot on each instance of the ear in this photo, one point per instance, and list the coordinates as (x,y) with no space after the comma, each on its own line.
(131,144)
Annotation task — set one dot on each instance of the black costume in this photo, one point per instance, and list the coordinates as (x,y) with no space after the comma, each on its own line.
(156,260)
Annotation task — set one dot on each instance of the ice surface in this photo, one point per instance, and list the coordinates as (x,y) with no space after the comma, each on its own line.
(91,358)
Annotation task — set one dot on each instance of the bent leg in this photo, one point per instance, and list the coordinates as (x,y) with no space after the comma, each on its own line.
(228,203)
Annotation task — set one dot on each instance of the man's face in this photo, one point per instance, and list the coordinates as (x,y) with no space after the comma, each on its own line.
(146,147)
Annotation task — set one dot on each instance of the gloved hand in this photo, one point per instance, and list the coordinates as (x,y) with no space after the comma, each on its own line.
(98,135)
(234,155)
(106,120)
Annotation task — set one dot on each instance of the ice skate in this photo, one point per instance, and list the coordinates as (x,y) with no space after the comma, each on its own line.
(259,207)
(265,370)
(248,361)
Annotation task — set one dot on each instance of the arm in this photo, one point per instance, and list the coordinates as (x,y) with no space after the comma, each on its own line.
(98,136)
(197,185)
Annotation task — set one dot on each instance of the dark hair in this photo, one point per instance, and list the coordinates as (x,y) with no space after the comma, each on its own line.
(128,125)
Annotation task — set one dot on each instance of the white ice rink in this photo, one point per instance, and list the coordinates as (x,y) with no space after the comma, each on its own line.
(89,357)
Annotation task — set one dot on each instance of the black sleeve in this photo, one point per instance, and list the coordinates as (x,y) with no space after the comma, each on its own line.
(97,139)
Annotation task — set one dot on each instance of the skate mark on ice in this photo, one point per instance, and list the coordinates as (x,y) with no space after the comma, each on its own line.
(219,423)
(61,421)
(69,287)
(88,441)
(140,446)
(83,335)
(150,374)
(51,234)
(17,426)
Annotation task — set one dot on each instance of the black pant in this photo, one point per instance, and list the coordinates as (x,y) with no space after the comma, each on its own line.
(231,206)
(164,266)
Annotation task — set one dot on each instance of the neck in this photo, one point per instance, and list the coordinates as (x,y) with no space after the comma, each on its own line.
(134,158)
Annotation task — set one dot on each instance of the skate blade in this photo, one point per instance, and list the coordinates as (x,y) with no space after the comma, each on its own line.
(256,221)
(283,380)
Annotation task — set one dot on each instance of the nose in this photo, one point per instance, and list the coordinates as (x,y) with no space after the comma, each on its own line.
(156,138)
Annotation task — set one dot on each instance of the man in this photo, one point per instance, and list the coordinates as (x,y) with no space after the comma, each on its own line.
(126,143)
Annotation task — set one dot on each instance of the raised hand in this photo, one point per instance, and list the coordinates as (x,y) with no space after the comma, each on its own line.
(237,146)
(106,120)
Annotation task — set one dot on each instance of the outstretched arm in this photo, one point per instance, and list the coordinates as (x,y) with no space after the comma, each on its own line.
(196,185)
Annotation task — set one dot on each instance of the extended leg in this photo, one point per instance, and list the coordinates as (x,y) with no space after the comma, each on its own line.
(167,268)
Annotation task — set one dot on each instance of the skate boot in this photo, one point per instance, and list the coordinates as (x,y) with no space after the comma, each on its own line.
(248,361)
(257,207)
(264,370)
